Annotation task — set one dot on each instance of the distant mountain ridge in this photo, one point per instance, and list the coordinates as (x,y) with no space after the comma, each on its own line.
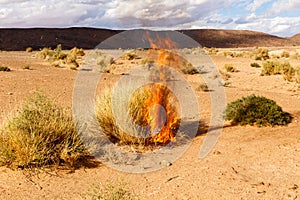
(88,38)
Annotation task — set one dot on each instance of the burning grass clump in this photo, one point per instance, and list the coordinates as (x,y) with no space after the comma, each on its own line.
(59,58)
(149,115)
(40,133)
(256,110)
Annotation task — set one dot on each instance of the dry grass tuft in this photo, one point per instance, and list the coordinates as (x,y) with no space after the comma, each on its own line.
(40,133)
(58,58)
(131,130)
(111,191)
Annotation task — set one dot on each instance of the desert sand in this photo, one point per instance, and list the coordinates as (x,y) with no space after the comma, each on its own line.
(246,163)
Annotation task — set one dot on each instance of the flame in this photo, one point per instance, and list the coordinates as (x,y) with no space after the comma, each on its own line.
(162,107)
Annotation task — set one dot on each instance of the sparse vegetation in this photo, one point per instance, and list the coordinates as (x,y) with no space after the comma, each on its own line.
(211,51)
(26,66)
(261,54)
(29,49)
(256,110)
(40,133)
(256,65)
(275,67)
(190,69)
(203,87)
(230,68)
(103,61)
(285,54)
(4,69)
(111,191)
(130,55)
(58,58)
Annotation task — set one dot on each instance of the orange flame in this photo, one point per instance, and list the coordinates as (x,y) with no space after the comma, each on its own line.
(162,113)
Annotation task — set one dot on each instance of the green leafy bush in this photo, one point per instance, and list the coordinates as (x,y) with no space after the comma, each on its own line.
(256,110)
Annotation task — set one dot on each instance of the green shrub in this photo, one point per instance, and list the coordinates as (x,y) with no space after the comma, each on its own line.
(41,133)
(4,69)
(256,110)
(256,65)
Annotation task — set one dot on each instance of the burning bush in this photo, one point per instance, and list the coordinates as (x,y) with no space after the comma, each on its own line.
(152,111)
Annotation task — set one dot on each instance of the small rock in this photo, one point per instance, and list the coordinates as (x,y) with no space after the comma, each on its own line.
(10,93)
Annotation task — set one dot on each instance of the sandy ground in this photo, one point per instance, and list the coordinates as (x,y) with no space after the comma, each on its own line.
(246,163)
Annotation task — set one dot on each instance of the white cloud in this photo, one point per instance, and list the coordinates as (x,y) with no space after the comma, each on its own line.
(257,4)
(281,6)
(163,14)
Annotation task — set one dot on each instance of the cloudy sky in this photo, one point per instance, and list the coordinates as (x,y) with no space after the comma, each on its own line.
(279,17)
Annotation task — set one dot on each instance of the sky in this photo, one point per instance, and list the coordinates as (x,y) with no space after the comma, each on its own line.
(277,17)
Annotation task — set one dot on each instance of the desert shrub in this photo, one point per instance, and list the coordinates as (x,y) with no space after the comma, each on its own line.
(287,71)
(58,58)
(203,87)
(256,110)
(256,65)
(77,52)
(40,133)
(225,75)
(230,68)
(271,68)
(112,191)
(136,104)
(29,49)
(275,67)
(295,56)
(26,66)
(211,51)
(4,69)
(228,53)
(297,75)
(285,54)
(130,55)
(262,54)
(190,69)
